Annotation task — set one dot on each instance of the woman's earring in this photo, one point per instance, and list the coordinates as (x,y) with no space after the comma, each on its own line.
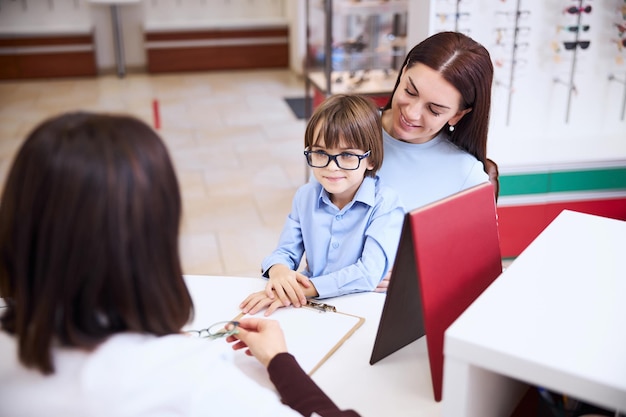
(451,128)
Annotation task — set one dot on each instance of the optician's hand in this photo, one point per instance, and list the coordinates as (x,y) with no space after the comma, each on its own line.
(262,338)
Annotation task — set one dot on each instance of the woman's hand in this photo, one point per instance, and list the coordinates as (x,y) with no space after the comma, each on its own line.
(384,283)
(262,338)
(257,301)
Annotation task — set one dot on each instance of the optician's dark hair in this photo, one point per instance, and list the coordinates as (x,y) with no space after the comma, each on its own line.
(466,65)
(89,223)
(349,119)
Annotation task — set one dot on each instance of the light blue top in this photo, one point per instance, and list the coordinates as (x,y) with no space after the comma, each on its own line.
(425,172)
(348,250)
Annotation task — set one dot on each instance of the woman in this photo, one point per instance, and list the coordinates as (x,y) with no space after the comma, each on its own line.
(90,270)
(435,125)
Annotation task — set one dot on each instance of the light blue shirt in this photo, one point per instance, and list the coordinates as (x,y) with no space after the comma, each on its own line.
(422,173)
(348,250)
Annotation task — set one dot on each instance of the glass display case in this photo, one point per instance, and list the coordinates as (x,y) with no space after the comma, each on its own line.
(354,46)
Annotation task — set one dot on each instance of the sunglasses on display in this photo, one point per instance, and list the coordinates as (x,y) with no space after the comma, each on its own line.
(575,28)
(570,45)
(578,10)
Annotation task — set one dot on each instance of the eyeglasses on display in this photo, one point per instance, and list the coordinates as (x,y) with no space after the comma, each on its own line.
(578,10)
(570,45)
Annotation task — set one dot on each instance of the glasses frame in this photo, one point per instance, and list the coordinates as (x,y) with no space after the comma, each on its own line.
(208,333)
(330,157)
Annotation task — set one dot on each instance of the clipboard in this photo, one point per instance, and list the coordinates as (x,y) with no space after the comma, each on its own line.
(312,332)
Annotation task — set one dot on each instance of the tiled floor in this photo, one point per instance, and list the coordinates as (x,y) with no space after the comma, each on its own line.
(236,145)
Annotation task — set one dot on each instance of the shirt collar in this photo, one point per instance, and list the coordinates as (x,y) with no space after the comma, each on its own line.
(366,194)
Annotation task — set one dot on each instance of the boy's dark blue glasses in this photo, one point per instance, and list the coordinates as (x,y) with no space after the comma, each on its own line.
(344,160)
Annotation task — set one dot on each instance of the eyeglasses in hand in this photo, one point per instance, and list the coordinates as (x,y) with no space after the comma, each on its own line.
(344,160)
(217,330)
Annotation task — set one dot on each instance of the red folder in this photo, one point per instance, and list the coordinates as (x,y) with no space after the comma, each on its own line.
(448,254)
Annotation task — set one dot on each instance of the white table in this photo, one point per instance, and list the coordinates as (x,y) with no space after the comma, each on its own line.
(555,318)
(398,386)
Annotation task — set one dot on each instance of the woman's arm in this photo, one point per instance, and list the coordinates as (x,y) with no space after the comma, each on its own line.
(298,391)
(264,340)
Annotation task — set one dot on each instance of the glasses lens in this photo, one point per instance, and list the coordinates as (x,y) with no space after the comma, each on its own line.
(317,159)
(348,161)
(584,44)
(204,333)
(569,45)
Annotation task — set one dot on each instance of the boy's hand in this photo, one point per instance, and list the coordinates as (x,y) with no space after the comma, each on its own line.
(289,286)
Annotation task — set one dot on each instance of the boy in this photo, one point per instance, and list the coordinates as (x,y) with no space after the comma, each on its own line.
(346,223)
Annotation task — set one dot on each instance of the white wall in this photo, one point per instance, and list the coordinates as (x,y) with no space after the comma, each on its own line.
(69,16)
(528,121)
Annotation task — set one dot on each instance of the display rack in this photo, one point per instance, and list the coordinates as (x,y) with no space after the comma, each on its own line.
(578,9)
(513,60)
(612,77)
(353,47)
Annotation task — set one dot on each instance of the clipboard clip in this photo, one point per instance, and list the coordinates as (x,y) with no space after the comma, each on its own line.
(323,308)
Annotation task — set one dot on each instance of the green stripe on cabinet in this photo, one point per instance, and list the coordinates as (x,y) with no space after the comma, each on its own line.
(563,181)
(523,184)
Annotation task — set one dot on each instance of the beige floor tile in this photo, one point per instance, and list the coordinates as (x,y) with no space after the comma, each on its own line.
(200,255)
(236,147)
(243,250)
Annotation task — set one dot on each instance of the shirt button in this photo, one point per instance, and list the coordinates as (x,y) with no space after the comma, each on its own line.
(339,216)
(335,245)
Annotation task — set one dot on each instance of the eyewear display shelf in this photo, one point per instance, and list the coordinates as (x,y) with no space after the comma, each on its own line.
(353,47)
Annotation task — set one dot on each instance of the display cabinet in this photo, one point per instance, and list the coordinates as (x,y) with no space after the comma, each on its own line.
(353,46)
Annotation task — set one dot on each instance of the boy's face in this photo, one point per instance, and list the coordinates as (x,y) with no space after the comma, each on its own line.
(341,184)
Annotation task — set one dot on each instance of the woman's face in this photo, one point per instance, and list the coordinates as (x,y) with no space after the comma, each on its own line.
(422,104)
